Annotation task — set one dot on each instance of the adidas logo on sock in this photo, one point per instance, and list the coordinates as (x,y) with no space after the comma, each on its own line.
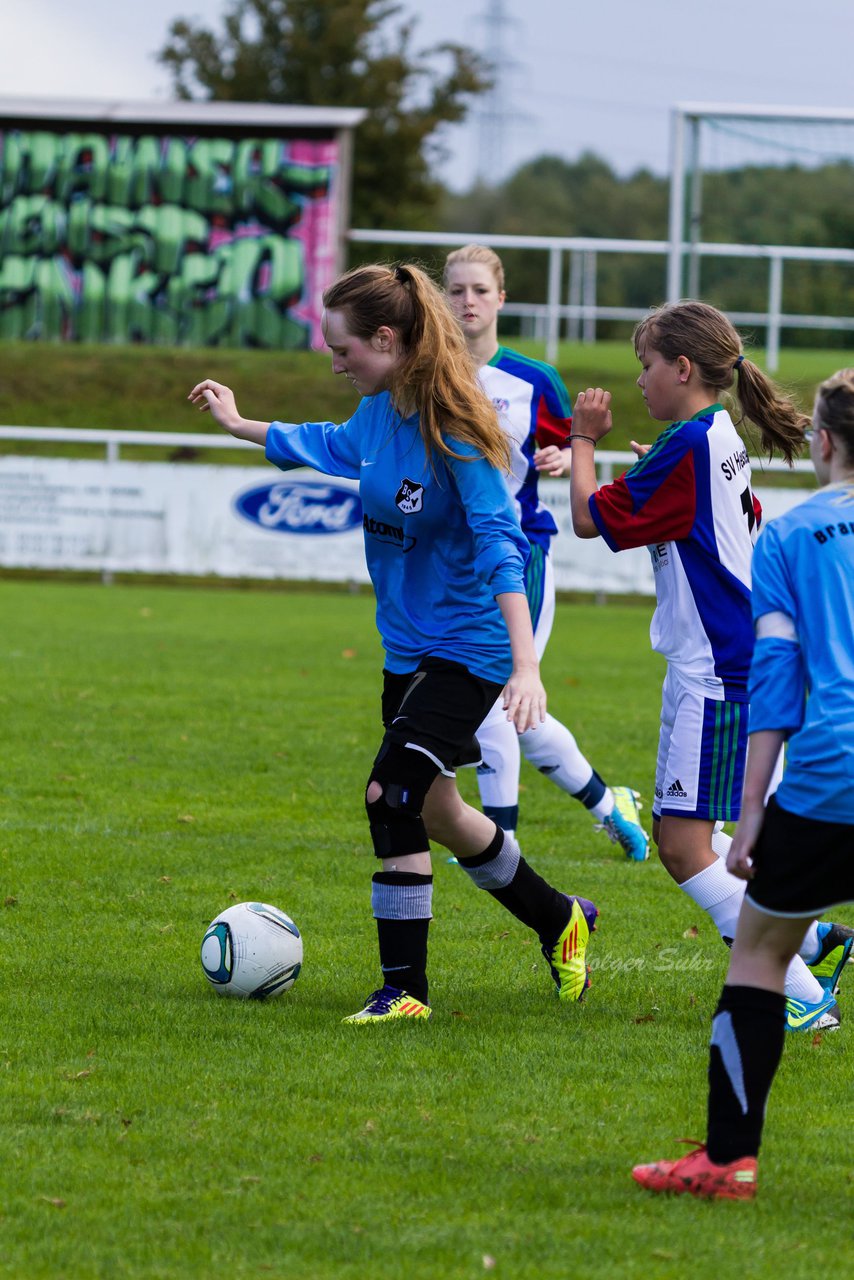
(483,769)
(676,789)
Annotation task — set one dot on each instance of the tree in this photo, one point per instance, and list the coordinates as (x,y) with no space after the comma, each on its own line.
(353,53)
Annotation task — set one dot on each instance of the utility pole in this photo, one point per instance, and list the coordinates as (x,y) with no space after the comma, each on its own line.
(495,115)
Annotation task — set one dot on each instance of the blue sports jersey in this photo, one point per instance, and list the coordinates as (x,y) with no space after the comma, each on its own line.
(439,547)
(803,683)
(533,408)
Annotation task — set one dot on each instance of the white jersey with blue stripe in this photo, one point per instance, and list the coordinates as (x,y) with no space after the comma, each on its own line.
(441,541)
(802,675)
(689,501)
(533,408)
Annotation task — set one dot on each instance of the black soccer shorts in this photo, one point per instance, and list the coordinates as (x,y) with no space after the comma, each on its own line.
(438,709)
(803,867)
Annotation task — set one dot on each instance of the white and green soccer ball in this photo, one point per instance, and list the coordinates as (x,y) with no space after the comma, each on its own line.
(252,950)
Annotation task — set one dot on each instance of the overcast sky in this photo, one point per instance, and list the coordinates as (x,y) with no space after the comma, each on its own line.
(600,76)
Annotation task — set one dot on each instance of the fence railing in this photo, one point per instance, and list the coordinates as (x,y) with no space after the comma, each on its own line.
(609,462)
(114,440)
(123,514)
(580,311)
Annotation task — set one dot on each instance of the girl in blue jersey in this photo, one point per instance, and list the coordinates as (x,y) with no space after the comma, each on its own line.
(446,558)
(534,410)
(796,851)
(688,499)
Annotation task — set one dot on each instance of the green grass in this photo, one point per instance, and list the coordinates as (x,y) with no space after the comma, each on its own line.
(144,388)
(168,752)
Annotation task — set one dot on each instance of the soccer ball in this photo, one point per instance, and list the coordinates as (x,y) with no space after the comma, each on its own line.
(252,950)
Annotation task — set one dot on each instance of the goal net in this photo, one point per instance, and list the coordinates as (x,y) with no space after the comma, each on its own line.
(781,177)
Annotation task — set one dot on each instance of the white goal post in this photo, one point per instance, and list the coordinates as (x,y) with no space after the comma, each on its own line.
(687,161)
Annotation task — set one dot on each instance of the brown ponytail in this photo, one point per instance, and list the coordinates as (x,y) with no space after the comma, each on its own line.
(711,343)
(436,377)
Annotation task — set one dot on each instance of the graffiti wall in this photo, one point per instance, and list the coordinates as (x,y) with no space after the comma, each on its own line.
(165,239)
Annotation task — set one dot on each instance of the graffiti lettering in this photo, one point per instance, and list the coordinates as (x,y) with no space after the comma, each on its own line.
(193,241)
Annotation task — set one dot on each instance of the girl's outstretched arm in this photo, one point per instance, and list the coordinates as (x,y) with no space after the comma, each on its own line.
(218,400)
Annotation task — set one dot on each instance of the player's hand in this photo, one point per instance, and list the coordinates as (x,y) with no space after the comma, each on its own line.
(592,413)
(218,400)
(639,449)
(552,461)
(739,859)
(524,699)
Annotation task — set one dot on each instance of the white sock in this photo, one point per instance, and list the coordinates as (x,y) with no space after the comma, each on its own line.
(809,948)
(605,807)
(498,779)
(552,749)
(720,894)
(721,843)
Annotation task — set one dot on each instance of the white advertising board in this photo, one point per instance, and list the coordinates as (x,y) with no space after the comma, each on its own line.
(150,517)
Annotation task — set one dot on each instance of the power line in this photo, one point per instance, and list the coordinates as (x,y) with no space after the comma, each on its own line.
(496,114)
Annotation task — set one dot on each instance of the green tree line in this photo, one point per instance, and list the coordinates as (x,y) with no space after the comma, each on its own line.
(365,53)
(752,205)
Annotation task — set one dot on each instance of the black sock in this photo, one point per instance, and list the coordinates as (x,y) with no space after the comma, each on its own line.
(532,900)
(403,943)
(748,1031)
(528,896)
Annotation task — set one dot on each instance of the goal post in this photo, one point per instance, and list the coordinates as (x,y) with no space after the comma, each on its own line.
(773,133)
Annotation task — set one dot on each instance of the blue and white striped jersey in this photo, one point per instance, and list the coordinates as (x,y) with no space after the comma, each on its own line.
(689,501)
(533,407)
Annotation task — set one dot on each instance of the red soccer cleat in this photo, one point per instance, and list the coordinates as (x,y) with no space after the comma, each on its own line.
(697,1175)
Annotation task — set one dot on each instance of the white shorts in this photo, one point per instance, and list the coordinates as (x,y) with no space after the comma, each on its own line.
(702,746)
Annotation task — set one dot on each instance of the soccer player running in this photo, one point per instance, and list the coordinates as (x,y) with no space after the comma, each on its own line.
(446,558)
(795,852)
(688,498)
(534,410)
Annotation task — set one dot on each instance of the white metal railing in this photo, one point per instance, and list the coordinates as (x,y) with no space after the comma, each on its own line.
(581,310)
(114,440)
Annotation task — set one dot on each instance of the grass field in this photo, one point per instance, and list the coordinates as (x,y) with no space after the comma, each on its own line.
(144,388)
(170,751)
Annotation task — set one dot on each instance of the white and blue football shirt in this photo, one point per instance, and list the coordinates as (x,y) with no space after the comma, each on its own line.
(689,501)
(533,408)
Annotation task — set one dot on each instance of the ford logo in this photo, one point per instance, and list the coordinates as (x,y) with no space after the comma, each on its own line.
(301,508)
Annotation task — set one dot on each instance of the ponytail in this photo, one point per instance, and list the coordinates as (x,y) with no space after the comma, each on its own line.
(711,343)
(435,377)
(780,422)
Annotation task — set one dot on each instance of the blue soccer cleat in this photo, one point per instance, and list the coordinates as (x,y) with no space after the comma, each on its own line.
(835,944)
(623,825)
(802,1015)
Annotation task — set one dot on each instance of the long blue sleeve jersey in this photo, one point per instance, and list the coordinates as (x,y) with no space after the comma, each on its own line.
(439,547)
(802,676)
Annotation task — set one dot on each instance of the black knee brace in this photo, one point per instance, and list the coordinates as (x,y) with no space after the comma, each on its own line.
(405,776)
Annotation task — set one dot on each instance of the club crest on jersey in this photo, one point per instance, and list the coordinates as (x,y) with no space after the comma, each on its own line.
(409,497)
